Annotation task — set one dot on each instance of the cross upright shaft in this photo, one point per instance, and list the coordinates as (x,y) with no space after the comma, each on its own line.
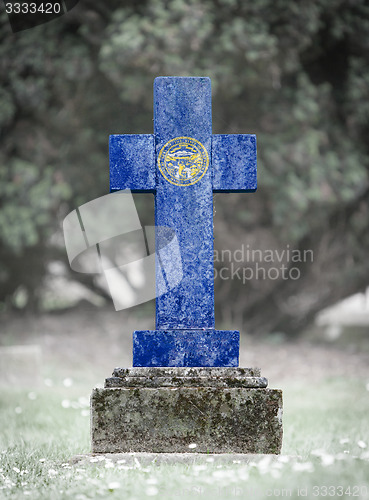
(183,164)
(183,109)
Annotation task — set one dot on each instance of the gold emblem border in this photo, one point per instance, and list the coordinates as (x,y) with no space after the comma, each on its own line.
(202,148)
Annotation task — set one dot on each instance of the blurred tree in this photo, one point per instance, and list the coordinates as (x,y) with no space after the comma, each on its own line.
(296,74)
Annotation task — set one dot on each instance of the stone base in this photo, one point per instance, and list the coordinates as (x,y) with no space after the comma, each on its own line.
(166,410)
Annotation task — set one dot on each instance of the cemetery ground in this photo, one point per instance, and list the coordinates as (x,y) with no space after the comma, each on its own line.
(44,424)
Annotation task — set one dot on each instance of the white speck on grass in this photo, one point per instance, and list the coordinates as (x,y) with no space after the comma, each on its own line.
(26,492)
(94,459)
(341,456)
(361,444)
(199,467)
(48,382)
(42,460)
(192,446)
(152,491)
(32,396)
(122,461)
(114,485)
(264,464)
(109,465)
(284,459)
(303,467)
(137,463)
(218,473)
(65,403)
(327,460)
(152,480)
(85,413)
(243,474)
(18,410)
(52,472)
(344,440)
(67,382)
(318,453)
(275,473)
(210,459)
(277,465)
(15,469)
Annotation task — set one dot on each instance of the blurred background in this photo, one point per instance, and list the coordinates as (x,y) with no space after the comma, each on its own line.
(294,73)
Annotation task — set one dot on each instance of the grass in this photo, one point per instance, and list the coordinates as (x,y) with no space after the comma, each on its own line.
(325,451)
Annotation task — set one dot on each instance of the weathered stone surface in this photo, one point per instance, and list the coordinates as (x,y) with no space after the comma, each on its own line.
(197,371)
(234,162)
(137,153)
(254,382)
(186,348)
(189,377)
(217,420)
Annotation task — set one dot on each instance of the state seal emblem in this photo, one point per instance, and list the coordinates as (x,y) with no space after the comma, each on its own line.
(183,161)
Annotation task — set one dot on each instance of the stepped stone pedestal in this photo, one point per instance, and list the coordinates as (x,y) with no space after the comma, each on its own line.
(220,410)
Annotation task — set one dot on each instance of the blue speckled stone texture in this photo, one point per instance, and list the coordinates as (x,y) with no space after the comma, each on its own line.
(182,108)
(185,334)
(132,162)
(234,163)
(185,348)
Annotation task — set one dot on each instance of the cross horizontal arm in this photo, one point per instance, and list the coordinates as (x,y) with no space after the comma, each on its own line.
(234,163)
(132,162)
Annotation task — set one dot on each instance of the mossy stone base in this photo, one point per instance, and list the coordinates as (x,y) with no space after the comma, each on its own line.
(169,419)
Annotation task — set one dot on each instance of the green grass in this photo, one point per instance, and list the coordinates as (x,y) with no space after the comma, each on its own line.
(325,430)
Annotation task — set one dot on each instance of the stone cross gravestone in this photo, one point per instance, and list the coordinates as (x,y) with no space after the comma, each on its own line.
(182,163)
(185,385)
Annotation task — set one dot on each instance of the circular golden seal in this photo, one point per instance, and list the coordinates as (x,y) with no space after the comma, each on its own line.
(183,161)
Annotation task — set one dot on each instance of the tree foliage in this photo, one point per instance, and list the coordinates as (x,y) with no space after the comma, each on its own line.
(294,73)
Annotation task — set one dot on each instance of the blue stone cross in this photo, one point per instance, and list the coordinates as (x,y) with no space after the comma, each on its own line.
(183,164)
